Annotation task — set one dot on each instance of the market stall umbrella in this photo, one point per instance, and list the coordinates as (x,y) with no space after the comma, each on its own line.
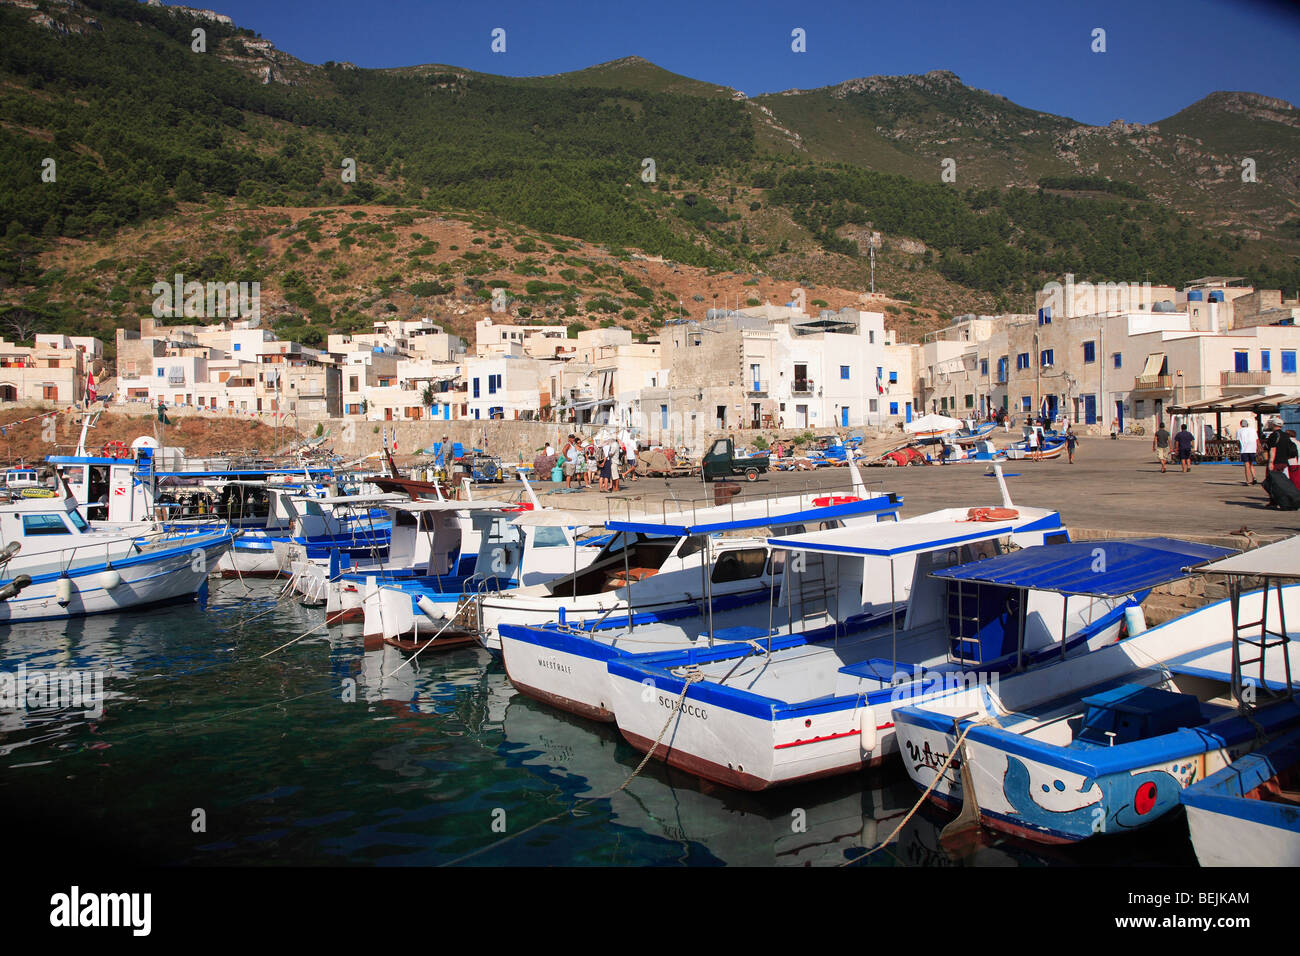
(931,425)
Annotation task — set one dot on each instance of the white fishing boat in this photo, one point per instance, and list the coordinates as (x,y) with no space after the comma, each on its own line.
(55,565)
(678,565)
(1106,743)
(439,549)
(787,710)
(1248,813)
(827,597)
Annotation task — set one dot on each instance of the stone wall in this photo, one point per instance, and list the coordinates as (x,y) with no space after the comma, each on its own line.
(512,440)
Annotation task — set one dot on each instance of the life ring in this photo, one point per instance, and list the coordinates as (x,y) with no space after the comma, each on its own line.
(992,514)
(832,500)
(115,449)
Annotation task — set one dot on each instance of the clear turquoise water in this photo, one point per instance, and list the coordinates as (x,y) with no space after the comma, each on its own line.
(435,765)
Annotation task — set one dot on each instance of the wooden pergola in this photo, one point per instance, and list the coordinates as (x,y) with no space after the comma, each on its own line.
(1257,405)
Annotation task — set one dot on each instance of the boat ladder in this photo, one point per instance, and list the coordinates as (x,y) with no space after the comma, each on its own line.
(814,589)
(1263,642)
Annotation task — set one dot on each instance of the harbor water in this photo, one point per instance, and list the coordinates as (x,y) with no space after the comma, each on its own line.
(213,744)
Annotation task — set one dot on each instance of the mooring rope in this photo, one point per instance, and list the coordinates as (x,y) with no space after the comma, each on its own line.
(916,806)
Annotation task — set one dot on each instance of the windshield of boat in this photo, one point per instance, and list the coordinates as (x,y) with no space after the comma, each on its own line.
(549,536)
(642,553)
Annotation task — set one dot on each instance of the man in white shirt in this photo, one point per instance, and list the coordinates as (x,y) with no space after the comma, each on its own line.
(1249,442)
(629,447)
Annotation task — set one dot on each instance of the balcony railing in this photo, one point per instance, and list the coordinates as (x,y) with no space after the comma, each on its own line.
(757,388)
(1153,383)
(1244,378)
(802,386)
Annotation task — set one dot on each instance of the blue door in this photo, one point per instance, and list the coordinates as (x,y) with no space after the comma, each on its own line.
(844,416)
(1119,413)
(1090,409)
(909,411)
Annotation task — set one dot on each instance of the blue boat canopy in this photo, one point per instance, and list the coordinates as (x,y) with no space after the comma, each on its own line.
(1094,568)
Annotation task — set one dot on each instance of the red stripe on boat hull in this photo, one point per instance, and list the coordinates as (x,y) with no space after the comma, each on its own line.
(729,777)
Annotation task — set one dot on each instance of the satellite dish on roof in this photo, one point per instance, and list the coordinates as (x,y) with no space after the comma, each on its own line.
(144,441)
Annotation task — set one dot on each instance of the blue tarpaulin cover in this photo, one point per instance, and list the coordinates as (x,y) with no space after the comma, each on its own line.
(1097,568)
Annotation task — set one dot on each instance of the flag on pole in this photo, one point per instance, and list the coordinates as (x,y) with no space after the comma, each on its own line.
(90,386)
(880,388)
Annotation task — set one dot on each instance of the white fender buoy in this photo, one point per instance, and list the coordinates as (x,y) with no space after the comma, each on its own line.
(1134,620)
(63,591)
(867,729)
(429,609)
(109,579)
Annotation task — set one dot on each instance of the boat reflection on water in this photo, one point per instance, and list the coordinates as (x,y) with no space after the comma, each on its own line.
(820,824)
(60,678)
(457,684)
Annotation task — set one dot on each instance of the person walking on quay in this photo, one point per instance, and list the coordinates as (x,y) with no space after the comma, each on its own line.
(1031,442)
(448,456)
(1248,440)
(1184,441)
(1281,448)
(1071,439)
(1160,445)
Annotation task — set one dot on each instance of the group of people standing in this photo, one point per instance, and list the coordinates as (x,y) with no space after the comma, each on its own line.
(605,463)
(1283,453)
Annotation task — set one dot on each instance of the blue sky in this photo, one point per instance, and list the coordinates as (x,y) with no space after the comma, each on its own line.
(1159,58)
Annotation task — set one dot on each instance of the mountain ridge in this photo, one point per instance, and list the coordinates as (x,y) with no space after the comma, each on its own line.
(791,187)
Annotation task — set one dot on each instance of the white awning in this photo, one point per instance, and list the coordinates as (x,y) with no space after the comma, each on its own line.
(383,499)
(424,505)
(1155,362)
(1279,560)
(556,518)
